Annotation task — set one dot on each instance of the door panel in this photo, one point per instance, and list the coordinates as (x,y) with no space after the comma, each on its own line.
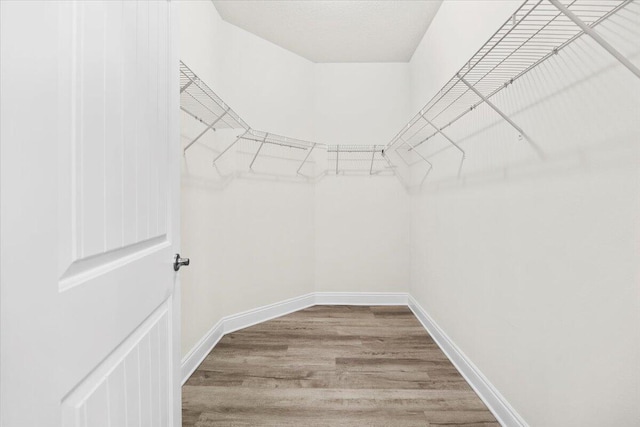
(105,190)
(129,384)
(89,213)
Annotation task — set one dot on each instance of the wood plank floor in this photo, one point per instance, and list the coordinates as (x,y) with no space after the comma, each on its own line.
(331,366)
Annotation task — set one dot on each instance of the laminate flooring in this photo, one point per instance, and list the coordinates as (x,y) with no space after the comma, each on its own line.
(331,366)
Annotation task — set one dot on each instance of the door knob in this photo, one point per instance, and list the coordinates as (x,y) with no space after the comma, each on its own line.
(179,262)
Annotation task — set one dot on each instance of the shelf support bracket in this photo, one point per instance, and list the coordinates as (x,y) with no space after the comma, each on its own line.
(373,155)
(503,115)
(337,157)
(183,88)
(305,158)
(206,129)
(438,130)
(393,168)
(422,157)
(595,36)
(228,147)
(402,157)
(258,152)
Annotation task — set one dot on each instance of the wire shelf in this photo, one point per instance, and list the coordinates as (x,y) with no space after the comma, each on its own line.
(357,159)
(534,33)
(288,155)
(538,30)
(258,151)
(200,102)
(279,140)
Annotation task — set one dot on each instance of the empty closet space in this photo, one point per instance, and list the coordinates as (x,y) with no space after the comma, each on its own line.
(332,365)
(410,213)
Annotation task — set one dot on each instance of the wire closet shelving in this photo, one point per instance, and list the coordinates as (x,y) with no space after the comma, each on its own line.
(200,102)
(344,158)
(297,151)
(538,30)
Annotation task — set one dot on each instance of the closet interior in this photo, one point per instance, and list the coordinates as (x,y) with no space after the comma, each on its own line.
(503,212)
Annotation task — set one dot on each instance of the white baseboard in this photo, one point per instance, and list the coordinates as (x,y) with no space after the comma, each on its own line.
(497,404)
(262,314)
(248,318)
(194,358)
(361,298)
(234,322)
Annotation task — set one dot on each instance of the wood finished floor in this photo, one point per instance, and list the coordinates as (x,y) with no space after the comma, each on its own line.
(331,366)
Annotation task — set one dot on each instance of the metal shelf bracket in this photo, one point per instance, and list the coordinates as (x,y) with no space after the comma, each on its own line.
(595,36)
(229,146)
(422,157)
(305,158)
(503,115)
(258,151)
(211,126)
(373,156)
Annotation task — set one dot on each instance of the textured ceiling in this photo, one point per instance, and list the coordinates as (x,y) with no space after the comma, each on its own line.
(336,31)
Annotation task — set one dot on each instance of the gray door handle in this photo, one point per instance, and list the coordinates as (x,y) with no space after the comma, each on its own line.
(179,262)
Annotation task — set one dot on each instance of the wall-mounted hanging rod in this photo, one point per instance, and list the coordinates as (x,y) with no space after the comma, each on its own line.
(595,36)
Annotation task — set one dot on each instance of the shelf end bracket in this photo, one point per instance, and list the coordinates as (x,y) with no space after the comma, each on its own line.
(266,135)
(305,158)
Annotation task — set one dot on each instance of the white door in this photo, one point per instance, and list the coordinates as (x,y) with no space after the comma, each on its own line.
(89,213)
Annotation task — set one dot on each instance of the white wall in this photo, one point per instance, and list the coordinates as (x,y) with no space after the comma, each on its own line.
(362,235)
(361,104)
(532,267)
(458,30)
(250,241)
(362,222)
(269,87)
(258,239)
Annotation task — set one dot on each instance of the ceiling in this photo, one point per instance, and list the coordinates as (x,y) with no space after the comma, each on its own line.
(336,31)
